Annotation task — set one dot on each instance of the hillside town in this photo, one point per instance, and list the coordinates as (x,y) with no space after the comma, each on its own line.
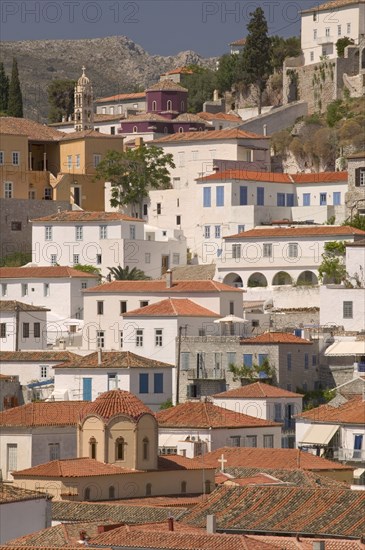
(182,307)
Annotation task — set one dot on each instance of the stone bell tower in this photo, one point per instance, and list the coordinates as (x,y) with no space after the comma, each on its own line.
(84,104)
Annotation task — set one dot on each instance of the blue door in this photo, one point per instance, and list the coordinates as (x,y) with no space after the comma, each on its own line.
(86,389)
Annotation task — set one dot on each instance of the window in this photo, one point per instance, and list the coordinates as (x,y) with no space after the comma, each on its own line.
(220,195)
(178,220)
(123,307)
(314,16)
(323,199)
(53,259)
(15,158)
(77,163)
(176,259)
(268,441)
(8,189)
(12,456)
(231,358)
(25,330)
(306,199)
(277,412)
(139,338)
(76,259)
(235,440)
(262,358)
(121,339)
(87,493)
(48,232)
(154,106)
(306,360)
(314,34)
(46,289)
(143,383)
(247,360)
(358,439)
(158,208)
(54,451)
(251,441)
(328,31)
(311,56)
(147,257)
(293,250)
(169,105)
(119,448)
(112,381)
(4,289)
(24,289)
(267,250)
(103,231)
(132,232)
(207,231)
(96,160)
(280,199)
(347,310)
(240,228)
(112,130)
(83,284)
(360,177)
(243,195)
(145,209)
(79,230)
(146,448)
(231,308)
(184,360)
(111,492)
(236,251)
(314,360)
(100,338)
(288,361)
(207,197)
(1,158)
(3,330)
(98,259)
(16,226)
(339,30)
(148,489)
(158,382)
(260,196)
(100,308)
(290,199)
(324,51)
(336,198)
(69,162)
(158,337)
(348,28)
(37,330)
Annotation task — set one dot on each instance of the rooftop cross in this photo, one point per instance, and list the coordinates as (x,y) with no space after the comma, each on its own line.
(222,461)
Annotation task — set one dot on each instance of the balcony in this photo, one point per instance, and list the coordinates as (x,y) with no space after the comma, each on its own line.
(233,339)
(350,455)
(322,40)
(206,374)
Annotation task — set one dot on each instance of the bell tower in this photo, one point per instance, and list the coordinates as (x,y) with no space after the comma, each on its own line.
(84,104)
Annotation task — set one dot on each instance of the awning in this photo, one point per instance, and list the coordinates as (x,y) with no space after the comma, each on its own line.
(319,434)
(355,347)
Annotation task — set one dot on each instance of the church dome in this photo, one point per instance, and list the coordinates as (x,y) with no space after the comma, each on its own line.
(83,80)
(115,402)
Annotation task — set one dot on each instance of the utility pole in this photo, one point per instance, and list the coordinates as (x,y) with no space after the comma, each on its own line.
(178,364)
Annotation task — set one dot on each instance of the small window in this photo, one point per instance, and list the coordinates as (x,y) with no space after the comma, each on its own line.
(103,231)
(207,231)
(314,34)
(123,307)
(336,198)
(154,106)
(139,338)
(236,251)
(3,330)
(98,259)
(76,259)
(79,232)
(100,308)
(169,105)
(148,489)
(311,56)
(37,330)
(314,360)
(145,209)
(25,330)
(1,158)
(181,130)
(147,257)
(158,382)
(121,339)
(231,358)
(220,195)
(339,30)
(347,310)
(53,259)
(83,285)
(143,303)
(158,208)
(247,360)
(280,199)
(184,360)
(54,451)
(251,441)
(176,259)
(132,232)
(268,441)
(120,449)
(178,220)
(328,31)
(293,250)
(8,189)
(146,448)
(111,492)
(77,164)
(235,441)
(48,232)
(24,289)
(87,493)
(348,28)
(183,487)
(43,371)
(231,308)
(92,448)
(4,289)
(112,130)
(207,197)
(135,129)
(15,156)
(314,16)
(158,337)
(323,199)
(267,250)
(306,199)
(69,162)
(306,360)
(96,160)
(217,231)
(143,382)
(16,226)
(46,289)
(260,196)
(100,339)
(288,361)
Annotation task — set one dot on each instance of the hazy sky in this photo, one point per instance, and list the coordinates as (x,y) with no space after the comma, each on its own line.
(159,26)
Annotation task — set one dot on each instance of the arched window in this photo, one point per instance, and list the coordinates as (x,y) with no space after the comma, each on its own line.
(183,486)
(169,105)
(183,106)
(135,129)
(92,447)
(154,106)
(146,448)
(181,129)
(148,489)
(87,493)
(112,491)
(119,448)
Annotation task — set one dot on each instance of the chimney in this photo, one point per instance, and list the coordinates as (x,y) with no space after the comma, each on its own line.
(319,545)
(211,524)
(99,357)
(169,278)
(170,523)
(215,95)
(265,129)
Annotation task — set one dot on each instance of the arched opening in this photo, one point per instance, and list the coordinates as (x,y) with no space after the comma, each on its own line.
(169,105)
(282,278)
(92,447)
(256,280)
(148,489)
(182,106)
(146,448)
(119,448)
(183,487)
(181,129)
(112,491)
(232,279)
(135,129)
(154,106)
(87,493)
(307,278)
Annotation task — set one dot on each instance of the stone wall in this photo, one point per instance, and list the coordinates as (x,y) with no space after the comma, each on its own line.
(355,197)
(277,119)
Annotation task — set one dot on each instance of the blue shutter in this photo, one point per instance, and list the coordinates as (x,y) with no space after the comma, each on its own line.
(220,195)
(86,389)
(143,383)
(260,196)
(306,199)
(158,382)
(247,359)
(243,195)
(207,197)
(290,199)
(280,199)
(337,198)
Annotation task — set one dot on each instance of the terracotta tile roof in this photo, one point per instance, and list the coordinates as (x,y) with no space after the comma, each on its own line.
(10,493)
(179,70)
(239,42)
(43,272)
(276,459)
(275,338)
(172,307)
(49,413)
(22,356)
(83,216)
(87,134)
(207,415)
(284,510)
(25,127)
(159,286)
(148,117)
(12,305)
(164,501)
(292,543)
(189,117)
(113,360)
(115,402)
(257,390)
(166,85)
(351,412)
(218,135)
(333,5)
(298,232)
(193,272)
(359,243)
(219,116)
(297,477)
(72,467)
(121,97)
(276,177)
(178,462)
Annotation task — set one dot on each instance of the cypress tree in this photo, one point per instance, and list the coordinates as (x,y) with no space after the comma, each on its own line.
(4,89)
(15,104)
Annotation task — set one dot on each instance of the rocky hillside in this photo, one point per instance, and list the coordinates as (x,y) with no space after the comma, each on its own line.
(115,65)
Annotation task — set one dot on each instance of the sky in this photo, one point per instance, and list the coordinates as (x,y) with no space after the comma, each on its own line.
(161,27)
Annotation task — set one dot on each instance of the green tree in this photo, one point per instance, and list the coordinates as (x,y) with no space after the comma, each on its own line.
(357,221)
(125,274)
(341,45)
(87,268)
(256,59)
(201,85)
(15,102)
(264,372)
(60,99)
(226,74)
(282,48)
(134,172)
(4,90)
(332,268)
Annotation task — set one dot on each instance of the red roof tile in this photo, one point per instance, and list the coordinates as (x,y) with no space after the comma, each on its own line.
(83,216)
(219,116)
(69,136)
(210,135)
(257,390)
(33,356)
(10,493)
(115,402)
(43,272)
(121,97)
(298,232)
(178,462)
(72,467)
(159,286)
(333,5)
(276,177)
(172,307)
(351,412)
(34,131)
(112,360)
(207,415)
(50,413)
(180,70)
(12,305)
(292,543)
(275,338)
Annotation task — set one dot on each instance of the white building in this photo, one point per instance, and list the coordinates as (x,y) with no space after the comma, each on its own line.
(121,103)
(22,326)
(195,428)
(105,124)
(87,377)
(106,239)
(37,433)
(326,23)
